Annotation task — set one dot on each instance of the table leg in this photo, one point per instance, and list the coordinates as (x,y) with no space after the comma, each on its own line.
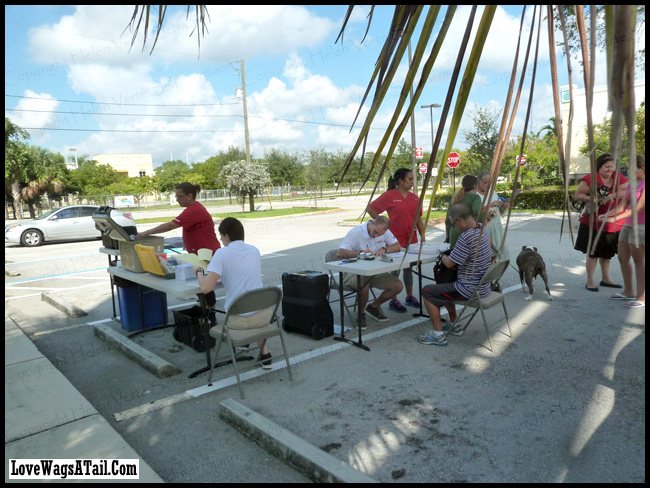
(420,314)
(359,312)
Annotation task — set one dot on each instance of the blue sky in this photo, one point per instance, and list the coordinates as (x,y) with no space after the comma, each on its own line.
(303,90)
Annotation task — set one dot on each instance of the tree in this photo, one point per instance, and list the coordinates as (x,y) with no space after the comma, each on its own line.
(550,129)
(209,171)
(317,172)
(602,135)
(47,174)
(17,165)
(574,39)
(171,173)
(481,141)
(94,179)
(541,158)
(245,180)
(284,168)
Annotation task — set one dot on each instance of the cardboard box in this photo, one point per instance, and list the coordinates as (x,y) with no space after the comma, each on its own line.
(129,256)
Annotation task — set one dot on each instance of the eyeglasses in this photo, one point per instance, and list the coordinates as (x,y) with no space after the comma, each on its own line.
(178,197)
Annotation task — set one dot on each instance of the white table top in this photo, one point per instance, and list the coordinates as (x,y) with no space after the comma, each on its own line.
(173,286)
(377,266)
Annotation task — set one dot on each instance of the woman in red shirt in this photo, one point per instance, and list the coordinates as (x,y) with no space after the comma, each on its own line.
(197,224)
(401,204)
(609,191)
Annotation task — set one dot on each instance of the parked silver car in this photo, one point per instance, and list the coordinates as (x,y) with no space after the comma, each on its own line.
(60,224)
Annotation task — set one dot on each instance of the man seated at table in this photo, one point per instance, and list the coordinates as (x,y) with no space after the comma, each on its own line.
(238,266)
(372,237)
(471,268)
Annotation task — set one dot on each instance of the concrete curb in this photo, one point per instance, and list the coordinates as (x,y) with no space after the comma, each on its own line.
(309,460)
(65,306)
(146,359)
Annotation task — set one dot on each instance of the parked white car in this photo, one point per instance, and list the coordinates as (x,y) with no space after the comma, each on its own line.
(61,224)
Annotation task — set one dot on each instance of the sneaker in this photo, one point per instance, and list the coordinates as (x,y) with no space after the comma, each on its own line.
(266,361)
(376,313)
(453,329)
(396,306)
(412,302)
(362,323)
(245,348)
(430,338)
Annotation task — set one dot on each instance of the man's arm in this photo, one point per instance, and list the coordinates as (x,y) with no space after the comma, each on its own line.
(207,282)
(346,254)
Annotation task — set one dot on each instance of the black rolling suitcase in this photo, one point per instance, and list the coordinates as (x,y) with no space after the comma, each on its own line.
(304,304)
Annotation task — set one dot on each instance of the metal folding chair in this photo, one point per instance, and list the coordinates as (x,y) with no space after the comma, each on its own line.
(492,275)
(251,301)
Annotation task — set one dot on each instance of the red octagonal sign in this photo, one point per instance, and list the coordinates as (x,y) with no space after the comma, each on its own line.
(453,160)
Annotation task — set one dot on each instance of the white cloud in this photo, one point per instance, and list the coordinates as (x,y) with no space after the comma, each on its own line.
(35,111)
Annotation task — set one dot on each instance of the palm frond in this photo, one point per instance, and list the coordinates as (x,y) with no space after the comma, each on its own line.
(142,12)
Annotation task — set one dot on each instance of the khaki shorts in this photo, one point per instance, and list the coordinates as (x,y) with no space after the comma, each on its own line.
(627,234)
(261,318)
(381,282)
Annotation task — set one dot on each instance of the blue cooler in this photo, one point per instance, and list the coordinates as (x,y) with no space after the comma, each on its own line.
(154,302)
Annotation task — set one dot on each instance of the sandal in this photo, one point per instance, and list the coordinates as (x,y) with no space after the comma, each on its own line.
(634,304)
(620,296)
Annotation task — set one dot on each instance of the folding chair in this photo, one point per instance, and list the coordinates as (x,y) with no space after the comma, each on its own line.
(251,301)
(493,274)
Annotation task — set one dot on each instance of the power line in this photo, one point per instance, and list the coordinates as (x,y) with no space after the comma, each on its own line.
(132,131)
(125,104)
(121,115)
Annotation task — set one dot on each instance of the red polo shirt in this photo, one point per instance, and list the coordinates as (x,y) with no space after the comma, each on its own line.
(198,229)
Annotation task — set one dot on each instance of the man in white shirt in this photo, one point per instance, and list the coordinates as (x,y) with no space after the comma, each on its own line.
(373,237)
(239,268)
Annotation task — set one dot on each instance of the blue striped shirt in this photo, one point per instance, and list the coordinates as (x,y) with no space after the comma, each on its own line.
(470,268)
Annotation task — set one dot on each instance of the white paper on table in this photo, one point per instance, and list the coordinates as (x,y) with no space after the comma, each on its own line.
(193,259)
(428,248)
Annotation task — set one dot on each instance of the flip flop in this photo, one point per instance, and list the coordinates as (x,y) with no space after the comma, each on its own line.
(610,285)
(634,304)
(620,296)
(595,288)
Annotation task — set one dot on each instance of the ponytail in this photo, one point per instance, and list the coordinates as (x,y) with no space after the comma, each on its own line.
(468,184)
(400,174)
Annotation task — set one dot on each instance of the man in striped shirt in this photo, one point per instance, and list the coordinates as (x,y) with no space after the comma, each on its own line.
(471,268)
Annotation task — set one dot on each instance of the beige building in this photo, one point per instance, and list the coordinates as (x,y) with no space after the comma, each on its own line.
(579,163)
(132,165)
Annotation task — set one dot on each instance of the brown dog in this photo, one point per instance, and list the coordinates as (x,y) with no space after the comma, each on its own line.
(531,264)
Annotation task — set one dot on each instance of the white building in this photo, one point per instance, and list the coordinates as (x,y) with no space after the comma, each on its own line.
(579,163)
(132,165)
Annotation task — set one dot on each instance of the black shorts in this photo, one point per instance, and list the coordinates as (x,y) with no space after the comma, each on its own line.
(442,294)
(606,248)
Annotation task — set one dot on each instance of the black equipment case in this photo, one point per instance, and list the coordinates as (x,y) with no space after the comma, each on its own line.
(304,304)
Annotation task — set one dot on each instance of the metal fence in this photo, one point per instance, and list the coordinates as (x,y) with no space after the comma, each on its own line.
(218,197)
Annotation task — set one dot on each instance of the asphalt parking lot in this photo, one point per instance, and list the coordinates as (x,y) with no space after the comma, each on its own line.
(562,400)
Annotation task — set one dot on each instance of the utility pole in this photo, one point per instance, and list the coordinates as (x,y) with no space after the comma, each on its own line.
(413,160)
(243,89)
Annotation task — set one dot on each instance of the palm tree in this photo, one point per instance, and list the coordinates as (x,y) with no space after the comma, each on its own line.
(550,129)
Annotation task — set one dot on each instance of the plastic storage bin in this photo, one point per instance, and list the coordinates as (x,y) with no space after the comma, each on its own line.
(188,328)
(153,301)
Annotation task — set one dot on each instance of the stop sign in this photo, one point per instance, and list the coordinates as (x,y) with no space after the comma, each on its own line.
(521,161)
(453,160)
(423,168)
